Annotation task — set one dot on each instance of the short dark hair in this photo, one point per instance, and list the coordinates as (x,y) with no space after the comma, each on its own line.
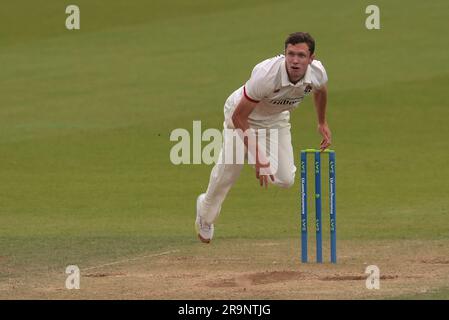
(301,37)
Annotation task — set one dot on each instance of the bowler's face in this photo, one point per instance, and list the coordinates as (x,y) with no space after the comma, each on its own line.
(297,58)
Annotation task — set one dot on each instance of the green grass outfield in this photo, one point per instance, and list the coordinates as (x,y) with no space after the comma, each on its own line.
(440,294)
(85,119)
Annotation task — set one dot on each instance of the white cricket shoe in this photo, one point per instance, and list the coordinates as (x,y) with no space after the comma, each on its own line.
(205,231)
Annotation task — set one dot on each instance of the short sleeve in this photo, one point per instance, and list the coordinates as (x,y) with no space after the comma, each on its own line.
(319,77)
(256,88)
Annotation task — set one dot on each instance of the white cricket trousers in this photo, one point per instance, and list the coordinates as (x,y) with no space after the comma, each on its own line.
(223,176)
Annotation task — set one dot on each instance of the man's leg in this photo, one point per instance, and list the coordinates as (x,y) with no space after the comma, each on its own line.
(285,175)
(222,178)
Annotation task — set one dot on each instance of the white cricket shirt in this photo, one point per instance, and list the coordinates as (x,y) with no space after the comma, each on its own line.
(270,86)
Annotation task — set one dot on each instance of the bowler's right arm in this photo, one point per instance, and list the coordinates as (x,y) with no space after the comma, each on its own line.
(240,121)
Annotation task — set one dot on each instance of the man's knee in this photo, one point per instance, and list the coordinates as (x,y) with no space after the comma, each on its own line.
(286,182)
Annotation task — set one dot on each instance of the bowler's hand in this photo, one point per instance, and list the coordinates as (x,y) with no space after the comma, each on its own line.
(263,176)
(324,130)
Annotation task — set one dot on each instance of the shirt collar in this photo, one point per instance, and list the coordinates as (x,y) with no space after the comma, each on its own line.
(285,81)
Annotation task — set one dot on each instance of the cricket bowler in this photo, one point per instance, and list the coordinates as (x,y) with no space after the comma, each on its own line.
(276,87)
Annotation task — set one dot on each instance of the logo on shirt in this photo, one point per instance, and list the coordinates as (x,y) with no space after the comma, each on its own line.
(308,89)
(286,101)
